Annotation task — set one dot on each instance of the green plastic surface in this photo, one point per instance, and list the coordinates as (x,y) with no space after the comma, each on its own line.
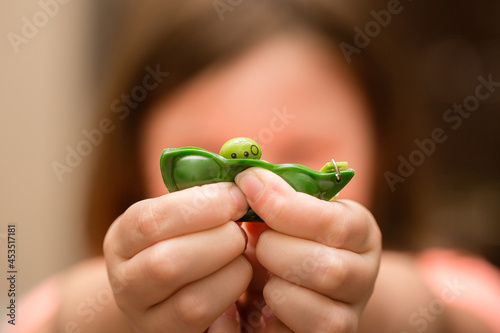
(241,148)
(186,167)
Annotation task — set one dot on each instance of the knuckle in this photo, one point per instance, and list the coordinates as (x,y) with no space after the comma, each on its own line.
(122,295)
(377,236)
(191,309)
(276,198)
(274,207)
(337,320)
(111,242)
(108,245)
(164,264)
(202,195)
(339,227)
(373,230)
(331,272)
(274,293)
(213,199)
(362,214)
(338,237)
(365,221)
(123,303)
(354,227)
(147,222)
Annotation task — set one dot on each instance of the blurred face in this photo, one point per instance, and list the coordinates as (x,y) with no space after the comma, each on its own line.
(296,98)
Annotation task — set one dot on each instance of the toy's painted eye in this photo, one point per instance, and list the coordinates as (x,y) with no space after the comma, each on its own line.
(240,148)
(255,149)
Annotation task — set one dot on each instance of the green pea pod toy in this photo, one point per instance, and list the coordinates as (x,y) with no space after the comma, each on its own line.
(186,167)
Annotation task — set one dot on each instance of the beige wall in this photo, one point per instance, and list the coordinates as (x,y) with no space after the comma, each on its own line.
(44,106)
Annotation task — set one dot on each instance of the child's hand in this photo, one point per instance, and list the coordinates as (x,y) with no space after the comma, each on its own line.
(175,262)
(323,256)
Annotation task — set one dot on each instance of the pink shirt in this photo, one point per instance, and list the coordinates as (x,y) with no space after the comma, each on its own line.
(464,281)
(37,308)
(457,280)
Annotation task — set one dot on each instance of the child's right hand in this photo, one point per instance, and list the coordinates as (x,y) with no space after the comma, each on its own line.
(165,272)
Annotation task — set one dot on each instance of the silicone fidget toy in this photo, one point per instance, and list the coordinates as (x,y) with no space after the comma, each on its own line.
(186,167)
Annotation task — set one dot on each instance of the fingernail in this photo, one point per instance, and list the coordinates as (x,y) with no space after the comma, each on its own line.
(231,312)
(267,315)
(229,321)
(250,184)
(239,199)
(268,276)
(245,236)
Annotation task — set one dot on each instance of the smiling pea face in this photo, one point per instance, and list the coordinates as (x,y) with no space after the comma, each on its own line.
(240,148)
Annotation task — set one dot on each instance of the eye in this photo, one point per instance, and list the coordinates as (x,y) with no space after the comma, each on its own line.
(245,154)
(233,155)
(254,149)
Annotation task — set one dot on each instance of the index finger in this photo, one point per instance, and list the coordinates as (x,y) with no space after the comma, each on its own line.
(341,224)
(153,220)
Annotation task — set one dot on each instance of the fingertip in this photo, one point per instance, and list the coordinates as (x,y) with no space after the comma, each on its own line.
(229,321)
(246,270)
(245,236)
(267,315)
(271,323)
(239,200)
(250,184)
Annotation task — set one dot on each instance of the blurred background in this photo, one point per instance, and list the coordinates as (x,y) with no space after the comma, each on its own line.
(51,55)
(45,103)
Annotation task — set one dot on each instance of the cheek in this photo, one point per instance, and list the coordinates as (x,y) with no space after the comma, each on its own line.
(347,137)
(153,180)
(155,136)
(359,152)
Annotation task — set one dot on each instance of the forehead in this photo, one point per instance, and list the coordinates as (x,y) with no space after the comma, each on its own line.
(281,88)
(294,97)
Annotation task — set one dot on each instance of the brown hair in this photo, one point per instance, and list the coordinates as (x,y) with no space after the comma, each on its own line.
(183,38)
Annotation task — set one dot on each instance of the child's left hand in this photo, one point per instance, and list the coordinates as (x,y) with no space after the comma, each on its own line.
(322,258)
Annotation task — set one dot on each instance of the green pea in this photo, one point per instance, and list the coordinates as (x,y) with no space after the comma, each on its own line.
(241,148)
